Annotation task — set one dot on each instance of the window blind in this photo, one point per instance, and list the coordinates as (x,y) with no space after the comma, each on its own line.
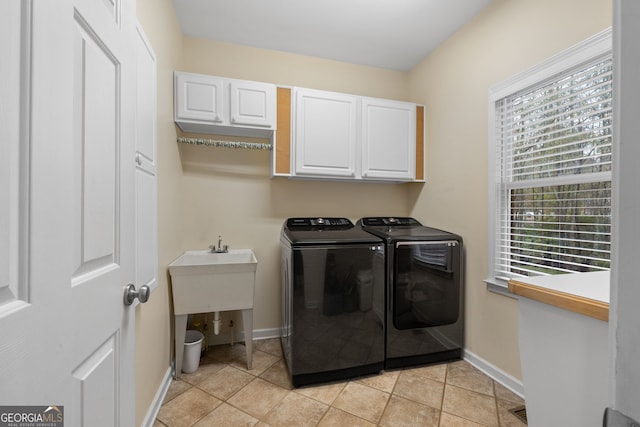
(554,174)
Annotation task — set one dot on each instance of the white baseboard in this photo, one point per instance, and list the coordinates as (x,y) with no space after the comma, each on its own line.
(154,409)
(496,373)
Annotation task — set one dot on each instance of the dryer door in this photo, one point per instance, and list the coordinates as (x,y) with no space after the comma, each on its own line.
(426,284)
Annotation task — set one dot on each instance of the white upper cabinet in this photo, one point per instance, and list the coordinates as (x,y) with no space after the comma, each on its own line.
(388,139)
(349,137)
(325,136)
(253,104)
(198,98)
(217,105)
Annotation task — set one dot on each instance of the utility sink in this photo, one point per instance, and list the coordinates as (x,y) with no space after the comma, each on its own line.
(206,282)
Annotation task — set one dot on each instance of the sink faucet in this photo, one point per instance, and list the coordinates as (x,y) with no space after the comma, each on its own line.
(220,248)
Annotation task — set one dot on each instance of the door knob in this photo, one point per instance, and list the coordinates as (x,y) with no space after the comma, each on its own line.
(130,294)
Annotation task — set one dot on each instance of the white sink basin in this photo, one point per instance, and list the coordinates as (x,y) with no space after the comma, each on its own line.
(198,262)
(205,282)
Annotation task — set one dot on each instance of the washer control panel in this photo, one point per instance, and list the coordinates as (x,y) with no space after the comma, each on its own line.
(306,223)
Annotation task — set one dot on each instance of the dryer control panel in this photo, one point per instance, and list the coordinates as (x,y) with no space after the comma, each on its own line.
(388,221)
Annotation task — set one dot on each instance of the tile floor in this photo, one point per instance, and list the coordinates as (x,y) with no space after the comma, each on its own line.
(222,392)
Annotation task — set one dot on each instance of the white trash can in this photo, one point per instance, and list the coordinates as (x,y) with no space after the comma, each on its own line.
(192,347)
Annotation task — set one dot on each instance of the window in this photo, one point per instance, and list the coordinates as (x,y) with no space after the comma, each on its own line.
(550,185)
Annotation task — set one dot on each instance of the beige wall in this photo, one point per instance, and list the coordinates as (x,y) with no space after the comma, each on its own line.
(204,192)
(453,82)
(243,62)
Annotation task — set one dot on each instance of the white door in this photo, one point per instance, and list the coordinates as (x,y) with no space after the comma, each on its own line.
(325,133)
(388,139)
(67,229)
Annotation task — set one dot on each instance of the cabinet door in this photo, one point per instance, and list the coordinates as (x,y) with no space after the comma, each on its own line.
(325,133)
(388,139)
(199,98)
(253,104)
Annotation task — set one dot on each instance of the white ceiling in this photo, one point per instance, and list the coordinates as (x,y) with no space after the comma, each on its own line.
(393,34)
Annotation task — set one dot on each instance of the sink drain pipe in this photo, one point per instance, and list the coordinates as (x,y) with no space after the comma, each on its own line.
(216,322)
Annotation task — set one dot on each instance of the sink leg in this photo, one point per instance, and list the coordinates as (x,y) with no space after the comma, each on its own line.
(247,323)
(180,325)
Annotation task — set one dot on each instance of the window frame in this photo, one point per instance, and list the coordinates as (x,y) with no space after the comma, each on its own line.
(596,46)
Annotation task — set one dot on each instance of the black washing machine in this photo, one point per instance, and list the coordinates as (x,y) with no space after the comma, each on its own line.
(332,300)
(425,292)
